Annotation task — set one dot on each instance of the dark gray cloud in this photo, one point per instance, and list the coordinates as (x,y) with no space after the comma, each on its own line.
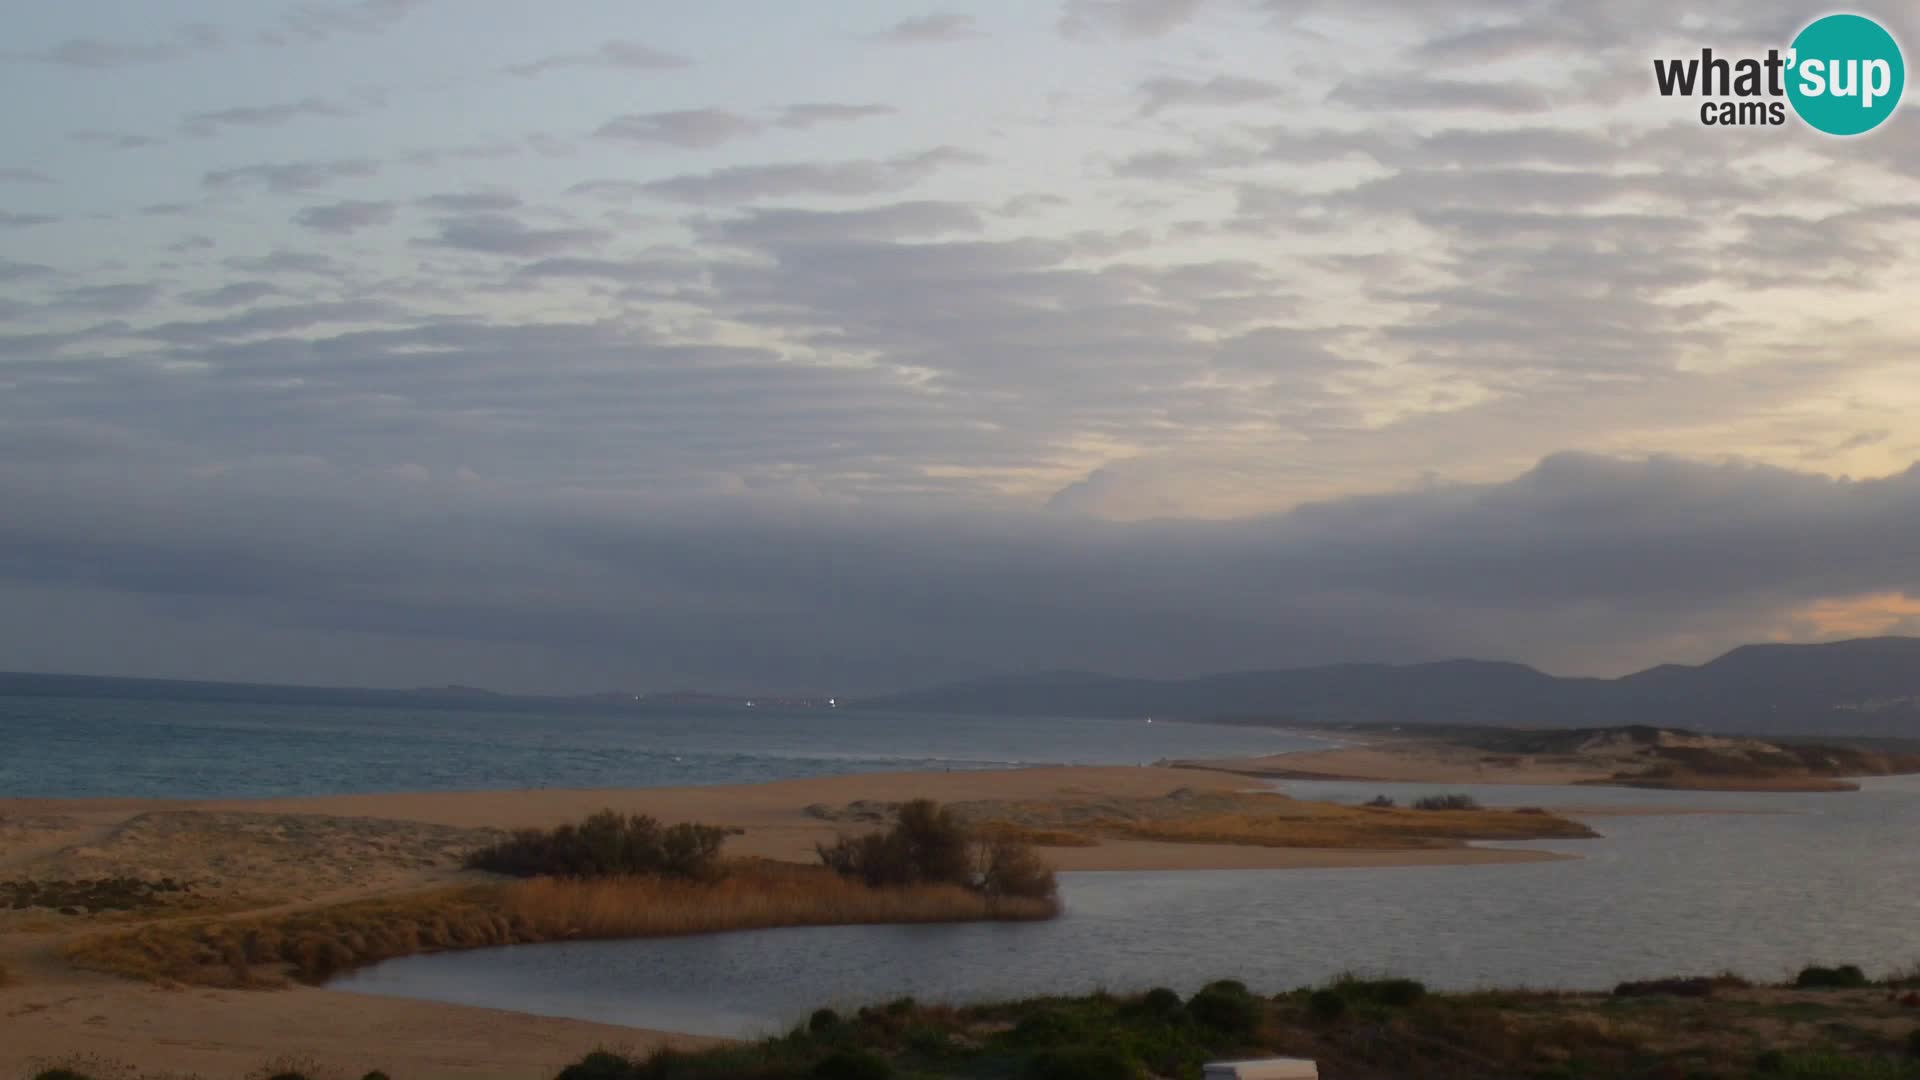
(1415,92)
(287,262)
(206,124)
(345,217)
(114,139)
(101,53)
(11,270)
(749,183)
(616,55)
(942,26)
(813,114)
(1576,558)
(472,202)
(108,299)
(1168,92)
(1091,19)
(235,294)
(501,234)
(320,21)
(292,176)
(687,128)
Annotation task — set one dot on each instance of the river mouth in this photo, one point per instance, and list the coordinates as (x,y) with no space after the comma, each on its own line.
(1827,881)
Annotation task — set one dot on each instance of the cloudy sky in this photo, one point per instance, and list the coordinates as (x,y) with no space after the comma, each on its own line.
(850,346)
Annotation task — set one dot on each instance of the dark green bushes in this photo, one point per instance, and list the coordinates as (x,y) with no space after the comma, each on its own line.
(929,845)
(1226,1007)
(852,1065)
(1081,1063)
(1844,977)
(608,844)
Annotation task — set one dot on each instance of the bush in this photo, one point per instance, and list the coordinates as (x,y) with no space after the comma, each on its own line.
(1160,1001)
(823,1020)
(375,1075)
(1381,801)
(1446,802)
(1844,977)
(1390,993)
(929,845)
(1694,986)
(1326,1005)
(1231,1012)
(602,1065)
(608,844)
(1008,868)
(60,1074)
(1082,1063)
(853,1065)
(1913,1043)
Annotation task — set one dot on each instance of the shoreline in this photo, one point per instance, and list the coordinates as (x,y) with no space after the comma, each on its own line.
(218,1032)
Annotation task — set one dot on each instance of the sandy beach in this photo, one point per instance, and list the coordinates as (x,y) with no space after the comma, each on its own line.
(286,854)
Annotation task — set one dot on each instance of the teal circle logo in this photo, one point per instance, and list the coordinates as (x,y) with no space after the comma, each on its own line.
(1846,74)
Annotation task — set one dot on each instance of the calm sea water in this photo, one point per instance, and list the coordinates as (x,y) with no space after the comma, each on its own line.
(1827,878)
(88,747)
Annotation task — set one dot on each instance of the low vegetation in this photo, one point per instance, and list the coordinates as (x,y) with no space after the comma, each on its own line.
(1276,821)
(316,944)
(607,844)
(1354,1028)
(88,895)
(930,845)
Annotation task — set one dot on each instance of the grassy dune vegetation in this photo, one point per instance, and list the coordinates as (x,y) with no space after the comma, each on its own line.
(316,944)
(611,876)
(1270,820)
(1712,1028)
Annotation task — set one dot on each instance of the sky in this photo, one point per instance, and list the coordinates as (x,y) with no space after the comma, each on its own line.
(858,346)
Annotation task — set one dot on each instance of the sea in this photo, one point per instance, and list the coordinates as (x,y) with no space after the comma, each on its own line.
(92,747)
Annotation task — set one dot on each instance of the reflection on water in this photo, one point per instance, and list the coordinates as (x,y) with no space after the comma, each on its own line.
(1836,879)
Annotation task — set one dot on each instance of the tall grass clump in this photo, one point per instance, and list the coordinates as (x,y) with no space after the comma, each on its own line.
(929,844)
(607,844)
(1446,802)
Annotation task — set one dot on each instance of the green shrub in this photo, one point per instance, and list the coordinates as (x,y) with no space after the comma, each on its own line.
(1381,802)
(1160,1001)
(1048,1027)
(1390,993)
(1326,1005)
(1446,802)
(602,1065)
(853,1065)
(929,845)
(1081,1063)
(1229,1011)
(1770,1062)
(606,844)
(376,1074)
(1913,1043)
(823,1020)
(60,1074)
(1844,977)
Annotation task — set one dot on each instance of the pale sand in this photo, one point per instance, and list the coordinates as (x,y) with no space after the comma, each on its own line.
(264,851)
(221,1034)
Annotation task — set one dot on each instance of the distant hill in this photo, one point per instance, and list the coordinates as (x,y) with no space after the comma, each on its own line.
(1865,687)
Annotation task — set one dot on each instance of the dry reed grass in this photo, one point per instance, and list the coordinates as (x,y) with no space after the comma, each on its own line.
(1323,825)
(314,945)
(1009,832)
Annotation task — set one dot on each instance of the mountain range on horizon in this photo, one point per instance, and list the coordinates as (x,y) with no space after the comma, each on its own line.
(1858,687)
